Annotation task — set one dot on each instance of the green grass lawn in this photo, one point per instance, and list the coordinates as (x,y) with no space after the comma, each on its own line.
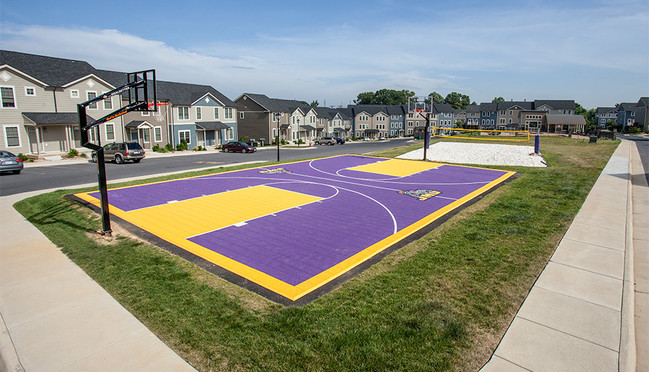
(440,303)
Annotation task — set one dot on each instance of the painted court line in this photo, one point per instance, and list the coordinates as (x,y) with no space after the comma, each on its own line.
(290,230)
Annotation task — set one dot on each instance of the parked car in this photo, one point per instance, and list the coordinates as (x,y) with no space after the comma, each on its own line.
(10,162)
(238,146)
(381,138)
(119,152)
(340,141)
(325,141)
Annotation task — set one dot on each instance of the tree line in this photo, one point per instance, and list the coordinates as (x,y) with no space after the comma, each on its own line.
(455,99)
(400,97)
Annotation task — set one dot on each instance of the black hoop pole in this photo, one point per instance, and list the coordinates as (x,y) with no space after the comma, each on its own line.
(139,104)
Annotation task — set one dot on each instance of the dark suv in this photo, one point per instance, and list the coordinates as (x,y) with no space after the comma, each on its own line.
(122,151)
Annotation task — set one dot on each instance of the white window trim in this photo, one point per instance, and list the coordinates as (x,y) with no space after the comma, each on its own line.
(74,93)
(108,99)
(216,113)
(13,91)
(241,114)
(88,99)
(4,131)
(30,95)
(106,132)
(155,134)
(182,108)
(189,136)
(199,113)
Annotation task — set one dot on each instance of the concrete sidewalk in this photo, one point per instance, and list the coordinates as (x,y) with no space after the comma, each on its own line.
(55,317)
(579,315)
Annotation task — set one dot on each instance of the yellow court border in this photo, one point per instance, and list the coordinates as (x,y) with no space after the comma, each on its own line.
(282,288)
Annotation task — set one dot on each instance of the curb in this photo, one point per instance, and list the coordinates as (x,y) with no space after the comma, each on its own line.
(627,356)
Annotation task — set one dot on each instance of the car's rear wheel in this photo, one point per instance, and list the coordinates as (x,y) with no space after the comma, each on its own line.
(136,160)
(118,159)
(17,171)
(226,150)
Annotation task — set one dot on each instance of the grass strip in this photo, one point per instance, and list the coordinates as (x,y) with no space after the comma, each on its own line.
(439,303)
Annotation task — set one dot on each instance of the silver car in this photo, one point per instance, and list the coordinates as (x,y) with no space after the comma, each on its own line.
(122,151)
(10,162)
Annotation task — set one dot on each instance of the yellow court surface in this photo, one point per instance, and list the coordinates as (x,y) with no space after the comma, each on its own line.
(396,167)
(187,218)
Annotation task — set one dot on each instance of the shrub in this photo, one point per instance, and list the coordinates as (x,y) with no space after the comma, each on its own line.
(244,139)
(283,142)
(169,147)
(73,153)
(22,156)
(182,146)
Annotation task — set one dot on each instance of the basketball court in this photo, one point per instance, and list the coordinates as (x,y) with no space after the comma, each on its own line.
(292,231)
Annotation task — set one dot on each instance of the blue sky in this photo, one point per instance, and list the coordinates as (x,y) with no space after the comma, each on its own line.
(595,52)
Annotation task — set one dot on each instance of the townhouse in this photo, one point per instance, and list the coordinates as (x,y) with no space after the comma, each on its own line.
(334,122)
(370,121)
(508,116)
(472,116)
(488,115)
(39,103)
(603,115)
(397,119)
(445,115)
(625,114)
(263,118)
(40,95)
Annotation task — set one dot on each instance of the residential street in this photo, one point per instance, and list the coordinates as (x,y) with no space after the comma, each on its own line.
(40,177)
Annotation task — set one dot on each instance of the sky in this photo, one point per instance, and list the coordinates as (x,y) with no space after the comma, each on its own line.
(594,52)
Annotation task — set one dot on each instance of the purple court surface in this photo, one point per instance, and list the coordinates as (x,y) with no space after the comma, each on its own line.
(293,228)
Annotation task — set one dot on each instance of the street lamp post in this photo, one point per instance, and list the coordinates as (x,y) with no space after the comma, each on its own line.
(278,115)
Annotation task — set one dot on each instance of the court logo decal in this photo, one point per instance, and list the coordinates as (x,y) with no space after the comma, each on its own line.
(420,194)
(274,171)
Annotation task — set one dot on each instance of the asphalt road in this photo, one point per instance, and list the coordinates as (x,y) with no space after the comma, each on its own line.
(35,177)
(643,148)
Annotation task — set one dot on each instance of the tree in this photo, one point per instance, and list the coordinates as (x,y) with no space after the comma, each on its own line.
(365,98)
(314,103)
(437,98)
(457,100)
(498,99)
(384,97)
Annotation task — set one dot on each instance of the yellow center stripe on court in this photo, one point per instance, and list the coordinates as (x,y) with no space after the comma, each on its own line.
(192,217)
(396,167)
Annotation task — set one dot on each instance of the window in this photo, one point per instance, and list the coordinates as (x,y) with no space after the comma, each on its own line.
(108,103)
(12,137)
(230,133)
(110,132)
(157,134)
(74,93)
(8,98)
(241,115)
(184,135)
(144,134)
(511,112)
(183,113)
(90,95)
(216,113)
(199,114)
(228,112)
(30,91)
